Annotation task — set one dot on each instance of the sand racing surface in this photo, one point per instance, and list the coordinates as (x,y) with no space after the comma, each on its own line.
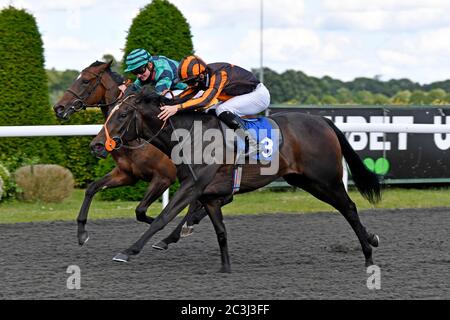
(273,256)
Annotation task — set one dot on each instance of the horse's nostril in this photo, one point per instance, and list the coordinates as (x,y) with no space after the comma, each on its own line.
(99,150)
(58,109)
(98,147)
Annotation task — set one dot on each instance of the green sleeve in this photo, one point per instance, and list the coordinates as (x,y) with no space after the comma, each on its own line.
(138,84)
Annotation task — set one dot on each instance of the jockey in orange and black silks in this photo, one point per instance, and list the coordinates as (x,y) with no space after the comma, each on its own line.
(238,91)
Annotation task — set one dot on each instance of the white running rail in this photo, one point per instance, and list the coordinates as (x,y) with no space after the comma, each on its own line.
(88,130)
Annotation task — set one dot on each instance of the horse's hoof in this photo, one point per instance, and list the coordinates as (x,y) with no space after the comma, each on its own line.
(369,262)
(83,238)
(160,246)
(374,240)
(121,257)
(225,270)
(186,231)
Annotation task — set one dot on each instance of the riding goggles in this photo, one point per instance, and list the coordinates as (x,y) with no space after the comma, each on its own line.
(139,70)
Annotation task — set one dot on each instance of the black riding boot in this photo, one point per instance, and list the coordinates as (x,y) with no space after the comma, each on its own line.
(236,123)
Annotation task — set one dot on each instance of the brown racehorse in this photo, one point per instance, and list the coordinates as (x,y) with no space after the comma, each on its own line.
(97,86)
(310,158)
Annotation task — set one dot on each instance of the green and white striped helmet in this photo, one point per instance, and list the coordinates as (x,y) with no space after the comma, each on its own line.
(137,58)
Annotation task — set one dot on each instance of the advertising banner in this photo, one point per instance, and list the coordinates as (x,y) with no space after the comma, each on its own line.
(396,157)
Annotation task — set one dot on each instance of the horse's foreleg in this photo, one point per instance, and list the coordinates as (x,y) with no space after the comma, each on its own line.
(113,179)
(185,195)
(156,188)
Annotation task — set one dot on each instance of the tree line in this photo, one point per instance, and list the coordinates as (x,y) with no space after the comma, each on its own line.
(297,88)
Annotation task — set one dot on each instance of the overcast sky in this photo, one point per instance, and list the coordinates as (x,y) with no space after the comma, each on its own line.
(343,39)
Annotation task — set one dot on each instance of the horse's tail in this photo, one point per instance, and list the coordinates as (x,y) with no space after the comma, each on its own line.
(365,180)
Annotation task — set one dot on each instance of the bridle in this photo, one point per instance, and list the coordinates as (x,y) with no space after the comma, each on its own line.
(79,103)
(115,143)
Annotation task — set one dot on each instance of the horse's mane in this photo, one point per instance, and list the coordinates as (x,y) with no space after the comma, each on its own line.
(147,99)
(118,78)
(97,63)
(149,95)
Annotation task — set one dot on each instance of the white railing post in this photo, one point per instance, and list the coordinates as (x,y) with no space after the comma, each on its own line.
(165,199)
(345,174)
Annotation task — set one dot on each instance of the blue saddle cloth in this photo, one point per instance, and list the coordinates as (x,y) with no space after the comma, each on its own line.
(263,131)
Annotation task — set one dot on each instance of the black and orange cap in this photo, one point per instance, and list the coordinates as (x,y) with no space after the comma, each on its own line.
(191,67)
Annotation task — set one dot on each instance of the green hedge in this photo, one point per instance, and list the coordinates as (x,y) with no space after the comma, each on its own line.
(5,178)
(78,157)
(24,98)
(161,29)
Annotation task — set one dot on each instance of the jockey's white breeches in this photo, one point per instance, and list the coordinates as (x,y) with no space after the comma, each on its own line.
(247,104)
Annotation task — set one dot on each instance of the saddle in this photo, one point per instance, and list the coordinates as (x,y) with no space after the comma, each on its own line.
(264,130)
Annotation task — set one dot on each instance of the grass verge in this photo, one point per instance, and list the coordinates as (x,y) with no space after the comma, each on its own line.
(252,203)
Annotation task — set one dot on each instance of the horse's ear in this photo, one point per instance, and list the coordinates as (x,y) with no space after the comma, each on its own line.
(145,94)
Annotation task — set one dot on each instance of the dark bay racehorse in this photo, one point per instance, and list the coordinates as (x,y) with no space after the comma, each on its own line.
(97,86)
(309,158)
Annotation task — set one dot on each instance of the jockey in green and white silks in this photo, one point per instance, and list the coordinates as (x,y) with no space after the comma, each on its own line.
(155,70)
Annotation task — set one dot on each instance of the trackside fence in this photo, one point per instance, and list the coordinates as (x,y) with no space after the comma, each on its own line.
(92,130)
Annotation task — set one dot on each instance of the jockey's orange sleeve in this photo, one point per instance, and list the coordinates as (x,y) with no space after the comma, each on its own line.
(186,95)
(187,92)
(216,85)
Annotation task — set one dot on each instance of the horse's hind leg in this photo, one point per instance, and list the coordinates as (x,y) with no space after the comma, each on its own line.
(336,195)
(176,234)
(198,214)
(173,237)
(213,208)
(195,213)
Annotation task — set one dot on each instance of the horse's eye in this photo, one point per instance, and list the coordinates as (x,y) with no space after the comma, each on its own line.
(123,115)
(85,81)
